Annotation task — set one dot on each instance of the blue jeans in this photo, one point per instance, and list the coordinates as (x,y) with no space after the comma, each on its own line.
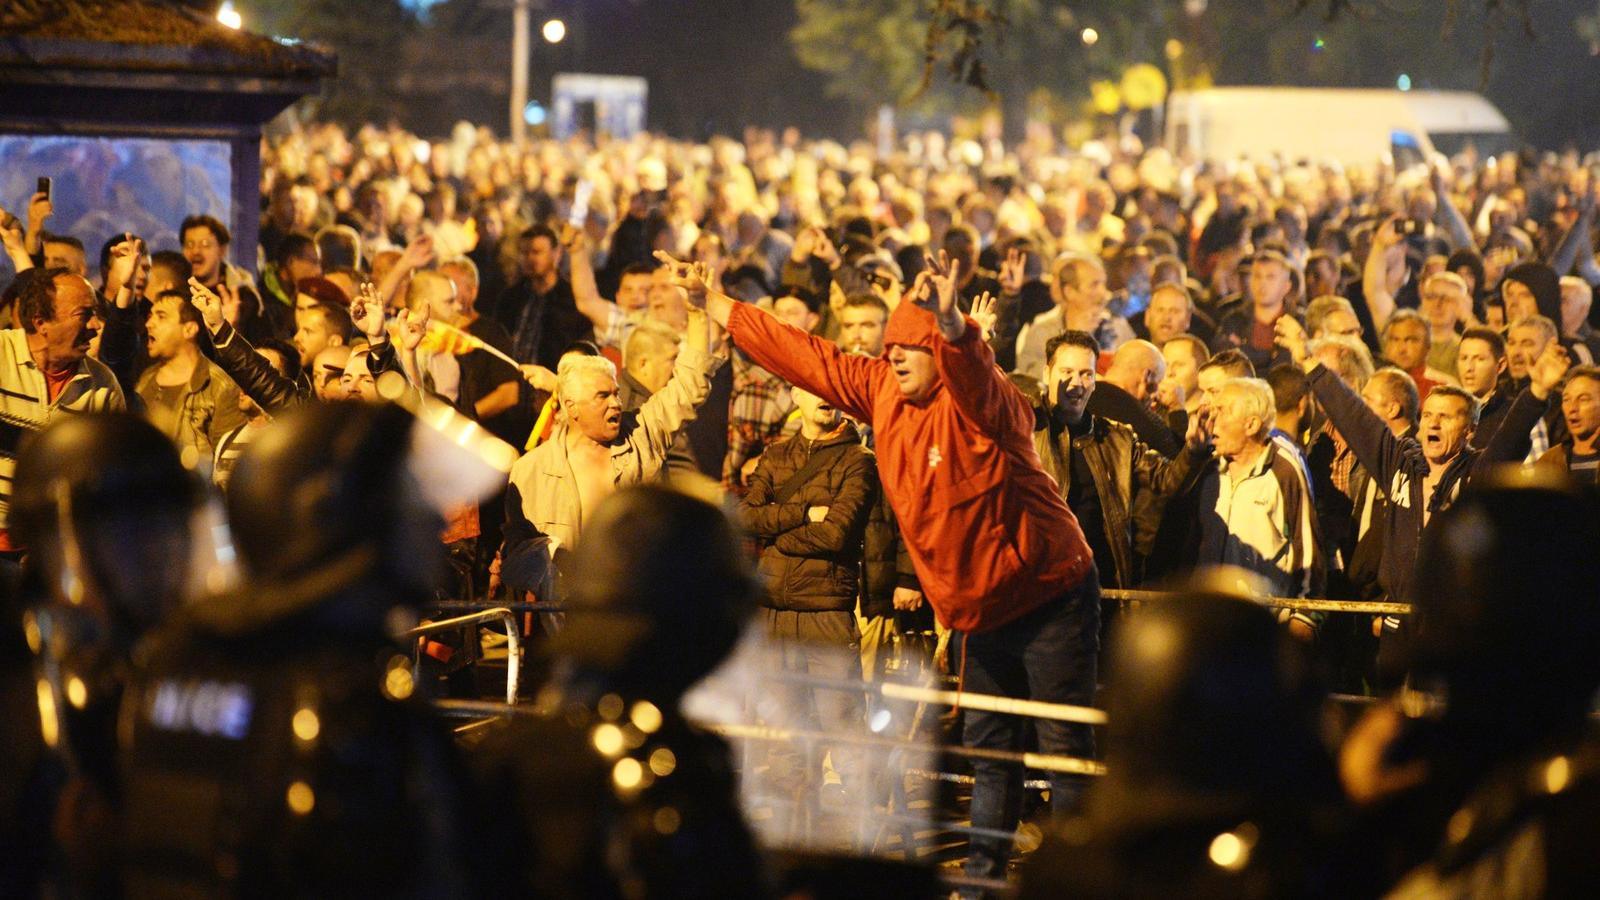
(1050,655)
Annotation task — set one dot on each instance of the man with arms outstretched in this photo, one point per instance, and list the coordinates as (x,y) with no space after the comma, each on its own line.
(999,555)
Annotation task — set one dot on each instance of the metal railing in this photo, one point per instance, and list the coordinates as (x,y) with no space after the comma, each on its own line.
(513,642)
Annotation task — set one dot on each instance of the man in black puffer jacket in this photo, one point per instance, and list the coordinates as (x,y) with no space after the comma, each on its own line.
(808,504)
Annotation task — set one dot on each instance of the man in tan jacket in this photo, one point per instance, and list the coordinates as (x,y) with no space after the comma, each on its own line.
(594,450)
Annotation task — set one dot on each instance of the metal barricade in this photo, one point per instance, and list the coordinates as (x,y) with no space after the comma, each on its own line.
(500,614)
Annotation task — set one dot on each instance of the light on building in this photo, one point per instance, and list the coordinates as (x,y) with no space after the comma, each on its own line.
(229,16)
(555,30)
(1403,82)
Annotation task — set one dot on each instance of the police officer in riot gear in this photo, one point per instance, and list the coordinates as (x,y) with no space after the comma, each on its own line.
(104,509)
(615,794)
(1217,784)
(272,744)
(1485,771)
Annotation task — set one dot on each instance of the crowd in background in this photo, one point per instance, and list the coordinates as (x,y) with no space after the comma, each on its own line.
(1285,366)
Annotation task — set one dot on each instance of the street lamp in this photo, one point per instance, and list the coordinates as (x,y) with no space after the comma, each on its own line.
(554,31)
(229,16)
(1090,37)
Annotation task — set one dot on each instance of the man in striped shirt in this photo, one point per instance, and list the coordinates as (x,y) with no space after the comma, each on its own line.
(45,368)
(1255,508)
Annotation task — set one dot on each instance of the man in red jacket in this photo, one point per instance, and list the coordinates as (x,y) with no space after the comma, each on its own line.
(1000,556)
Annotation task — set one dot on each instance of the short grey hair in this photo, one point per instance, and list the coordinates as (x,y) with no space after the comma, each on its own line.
(1255,398)
(575,368)
(1355,360)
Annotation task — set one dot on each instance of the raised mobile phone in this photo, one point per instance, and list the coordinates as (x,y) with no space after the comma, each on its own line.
(44,186)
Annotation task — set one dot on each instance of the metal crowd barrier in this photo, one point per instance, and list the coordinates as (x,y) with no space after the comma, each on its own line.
(1297,604)
(513,642)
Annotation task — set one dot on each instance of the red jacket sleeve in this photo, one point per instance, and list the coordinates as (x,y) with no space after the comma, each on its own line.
(845,380)
(983,394)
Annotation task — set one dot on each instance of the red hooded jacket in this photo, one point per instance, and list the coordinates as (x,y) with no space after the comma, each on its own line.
(990,536)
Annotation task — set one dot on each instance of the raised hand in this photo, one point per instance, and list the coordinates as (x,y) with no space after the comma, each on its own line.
(209,304)
(1291,336)
(692,277)
(124,266)
(541,378)
(824,249)
(418,253)
(39,209)
(1200,428)
(985,313)
(413,327)
(1013,271)
(1546,373)
(367,312)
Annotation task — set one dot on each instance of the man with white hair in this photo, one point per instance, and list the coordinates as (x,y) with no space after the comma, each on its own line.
(596,448)
(1255,507)
(1576,299)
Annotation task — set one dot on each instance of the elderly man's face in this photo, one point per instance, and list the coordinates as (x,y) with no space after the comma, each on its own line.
(1445,426)
(75,324)
(1406,344)
(596,410)
(1524,343)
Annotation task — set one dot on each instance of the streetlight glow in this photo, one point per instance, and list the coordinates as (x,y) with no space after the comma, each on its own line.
(1090,37)
(554,31)
(229,16)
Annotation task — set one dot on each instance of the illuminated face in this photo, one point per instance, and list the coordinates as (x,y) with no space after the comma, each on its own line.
(815,411)
(634,292)
(1071,380)
(1406,344)
(1339,322)
(1232,427)
(357,382)
(596,411)
(328,374)
(65,256)
(861,330)
(1089,294)
(1580,406)
(165,332)
(1210,383)
(1523,345)
(1520,302)
(76,323)
(1477,367)
(668,305)
(204,254)
(540,257)
(1269,284)
(1441,306)
(794,312)
(313,335)
(1182,367)
(1445,426)
(914,371)
(1167,316)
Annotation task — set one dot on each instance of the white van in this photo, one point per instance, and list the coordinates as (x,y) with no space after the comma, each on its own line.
(1354,126)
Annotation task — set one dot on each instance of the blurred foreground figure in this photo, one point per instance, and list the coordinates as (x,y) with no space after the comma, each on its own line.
(272,746)
(104,509)
(1217,784)
(614,793)
(1487,770)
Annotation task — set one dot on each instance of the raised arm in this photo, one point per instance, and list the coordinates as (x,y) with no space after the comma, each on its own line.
(1575,248)
(417,254)
(249,370)
(1455,224)
(1375,275)
(15,242)
(844,380)
(1509,443)
(983,394)
(1368,435)
(679,400)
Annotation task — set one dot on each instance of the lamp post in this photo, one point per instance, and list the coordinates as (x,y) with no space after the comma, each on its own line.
(519,70)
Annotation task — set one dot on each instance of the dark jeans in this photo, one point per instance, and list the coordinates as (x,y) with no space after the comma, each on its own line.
(1050,655)
(822,645)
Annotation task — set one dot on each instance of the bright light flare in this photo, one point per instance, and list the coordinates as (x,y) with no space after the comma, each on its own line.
(554,31)
(229,16)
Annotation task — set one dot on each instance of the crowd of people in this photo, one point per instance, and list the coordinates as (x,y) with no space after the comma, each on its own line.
(957,390)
